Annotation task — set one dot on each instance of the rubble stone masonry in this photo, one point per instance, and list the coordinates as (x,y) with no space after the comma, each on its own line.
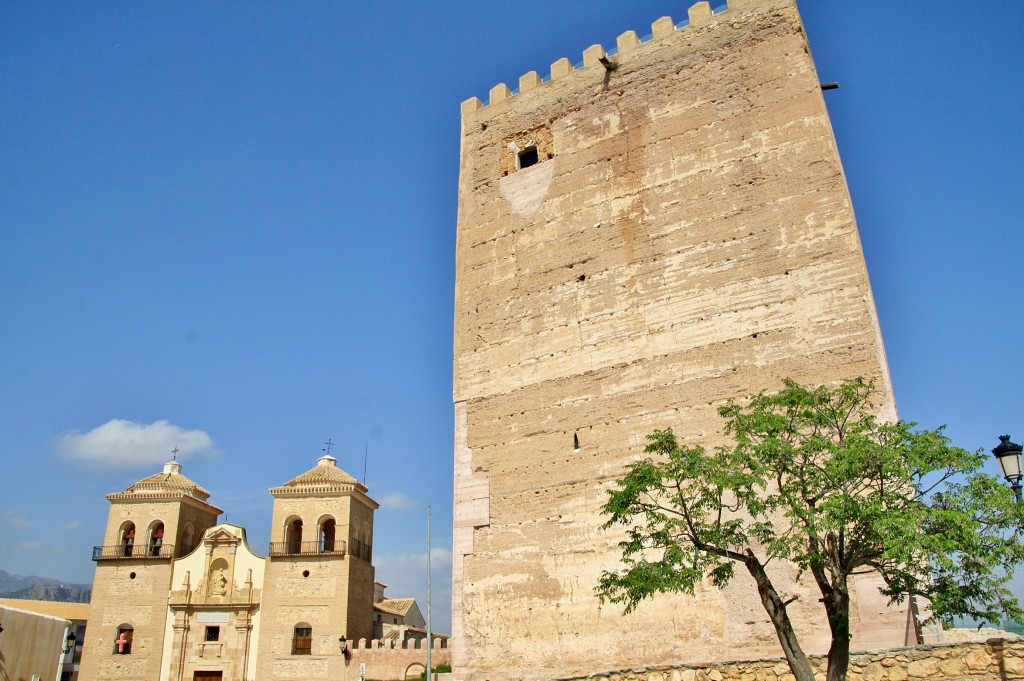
(997,659)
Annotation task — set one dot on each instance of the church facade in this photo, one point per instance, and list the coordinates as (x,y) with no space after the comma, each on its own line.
(178,595)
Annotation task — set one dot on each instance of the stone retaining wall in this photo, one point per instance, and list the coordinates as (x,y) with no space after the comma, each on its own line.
(997,659)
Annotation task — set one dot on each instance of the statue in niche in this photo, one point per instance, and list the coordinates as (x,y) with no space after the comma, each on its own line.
(220,583)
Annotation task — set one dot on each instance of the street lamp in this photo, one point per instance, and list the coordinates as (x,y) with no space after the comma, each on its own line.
(69,643)
(1009,456)
(343,644)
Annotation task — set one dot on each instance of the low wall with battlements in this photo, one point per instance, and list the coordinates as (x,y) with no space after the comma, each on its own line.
(394,660)
(997,659)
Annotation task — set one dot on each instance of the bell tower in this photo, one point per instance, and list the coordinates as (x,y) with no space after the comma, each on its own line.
(319,580)
(151,523)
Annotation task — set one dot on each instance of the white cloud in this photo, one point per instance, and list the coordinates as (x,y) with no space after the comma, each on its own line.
(396,501)
(15,520)
(126,444)
(72,526)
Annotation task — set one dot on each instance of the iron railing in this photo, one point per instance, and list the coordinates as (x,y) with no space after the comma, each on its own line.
(133,552)
(307,548)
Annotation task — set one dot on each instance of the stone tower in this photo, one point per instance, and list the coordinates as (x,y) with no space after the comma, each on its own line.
(640,239)
(151,523)
(318,584)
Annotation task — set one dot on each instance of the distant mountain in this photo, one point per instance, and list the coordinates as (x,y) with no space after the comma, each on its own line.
(42,589)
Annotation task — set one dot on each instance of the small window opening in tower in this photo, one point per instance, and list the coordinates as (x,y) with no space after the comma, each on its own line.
(575,441)
(156,539)
(212,633)
(293,536)
(327,536)
(123,640)
(528,157)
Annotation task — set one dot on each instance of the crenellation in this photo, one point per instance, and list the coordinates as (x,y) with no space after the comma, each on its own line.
(699,13)
(662,27)
(561,68)
(471,104)
(626,42)
(499,92)
(592,55)
(528,81)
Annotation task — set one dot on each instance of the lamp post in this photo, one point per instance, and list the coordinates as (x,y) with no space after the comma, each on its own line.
(343,644)
(69,643)
(1009,456)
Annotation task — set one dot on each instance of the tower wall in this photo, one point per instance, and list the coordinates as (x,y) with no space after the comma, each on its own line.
(636,246)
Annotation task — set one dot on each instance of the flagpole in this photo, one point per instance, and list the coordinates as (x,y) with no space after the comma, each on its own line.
(430,642)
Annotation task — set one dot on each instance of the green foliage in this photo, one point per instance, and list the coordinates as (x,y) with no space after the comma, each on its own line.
(439,669)
(813,478)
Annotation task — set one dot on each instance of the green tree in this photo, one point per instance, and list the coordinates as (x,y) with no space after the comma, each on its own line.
(812,477)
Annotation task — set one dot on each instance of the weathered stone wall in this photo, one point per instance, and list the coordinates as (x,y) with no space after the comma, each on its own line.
(636,246)
(994,660)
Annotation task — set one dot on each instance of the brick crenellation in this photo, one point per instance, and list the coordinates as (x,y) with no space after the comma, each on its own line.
(596,56)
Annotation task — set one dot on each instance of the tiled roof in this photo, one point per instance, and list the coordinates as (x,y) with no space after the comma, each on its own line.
(325,475)
(68,611)
(168,482)
(320,475)
(395,606)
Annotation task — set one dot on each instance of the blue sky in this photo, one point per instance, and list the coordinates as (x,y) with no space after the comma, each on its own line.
(229,227)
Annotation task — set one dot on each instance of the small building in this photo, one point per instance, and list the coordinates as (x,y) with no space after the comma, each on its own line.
(396,619)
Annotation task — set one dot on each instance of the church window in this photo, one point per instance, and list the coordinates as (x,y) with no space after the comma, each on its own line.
(302,641)
(123,640)
(212,633)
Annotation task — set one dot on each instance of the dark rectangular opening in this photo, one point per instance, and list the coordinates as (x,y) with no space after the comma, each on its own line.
(528,157)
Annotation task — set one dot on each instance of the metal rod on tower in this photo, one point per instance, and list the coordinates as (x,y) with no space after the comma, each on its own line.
(366,453)
(430,642)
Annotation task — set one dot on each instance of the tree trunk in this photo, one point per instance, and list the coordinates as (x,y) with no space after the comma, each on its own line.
(776,609)
(838,609)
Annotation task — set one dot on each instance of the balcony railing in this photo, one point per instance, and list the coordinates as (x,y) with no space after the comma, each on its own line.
(133,552)
(307,548)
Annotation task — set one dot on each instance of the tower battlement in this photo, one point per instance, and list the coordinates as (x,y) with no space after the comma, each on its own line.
(595,56)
